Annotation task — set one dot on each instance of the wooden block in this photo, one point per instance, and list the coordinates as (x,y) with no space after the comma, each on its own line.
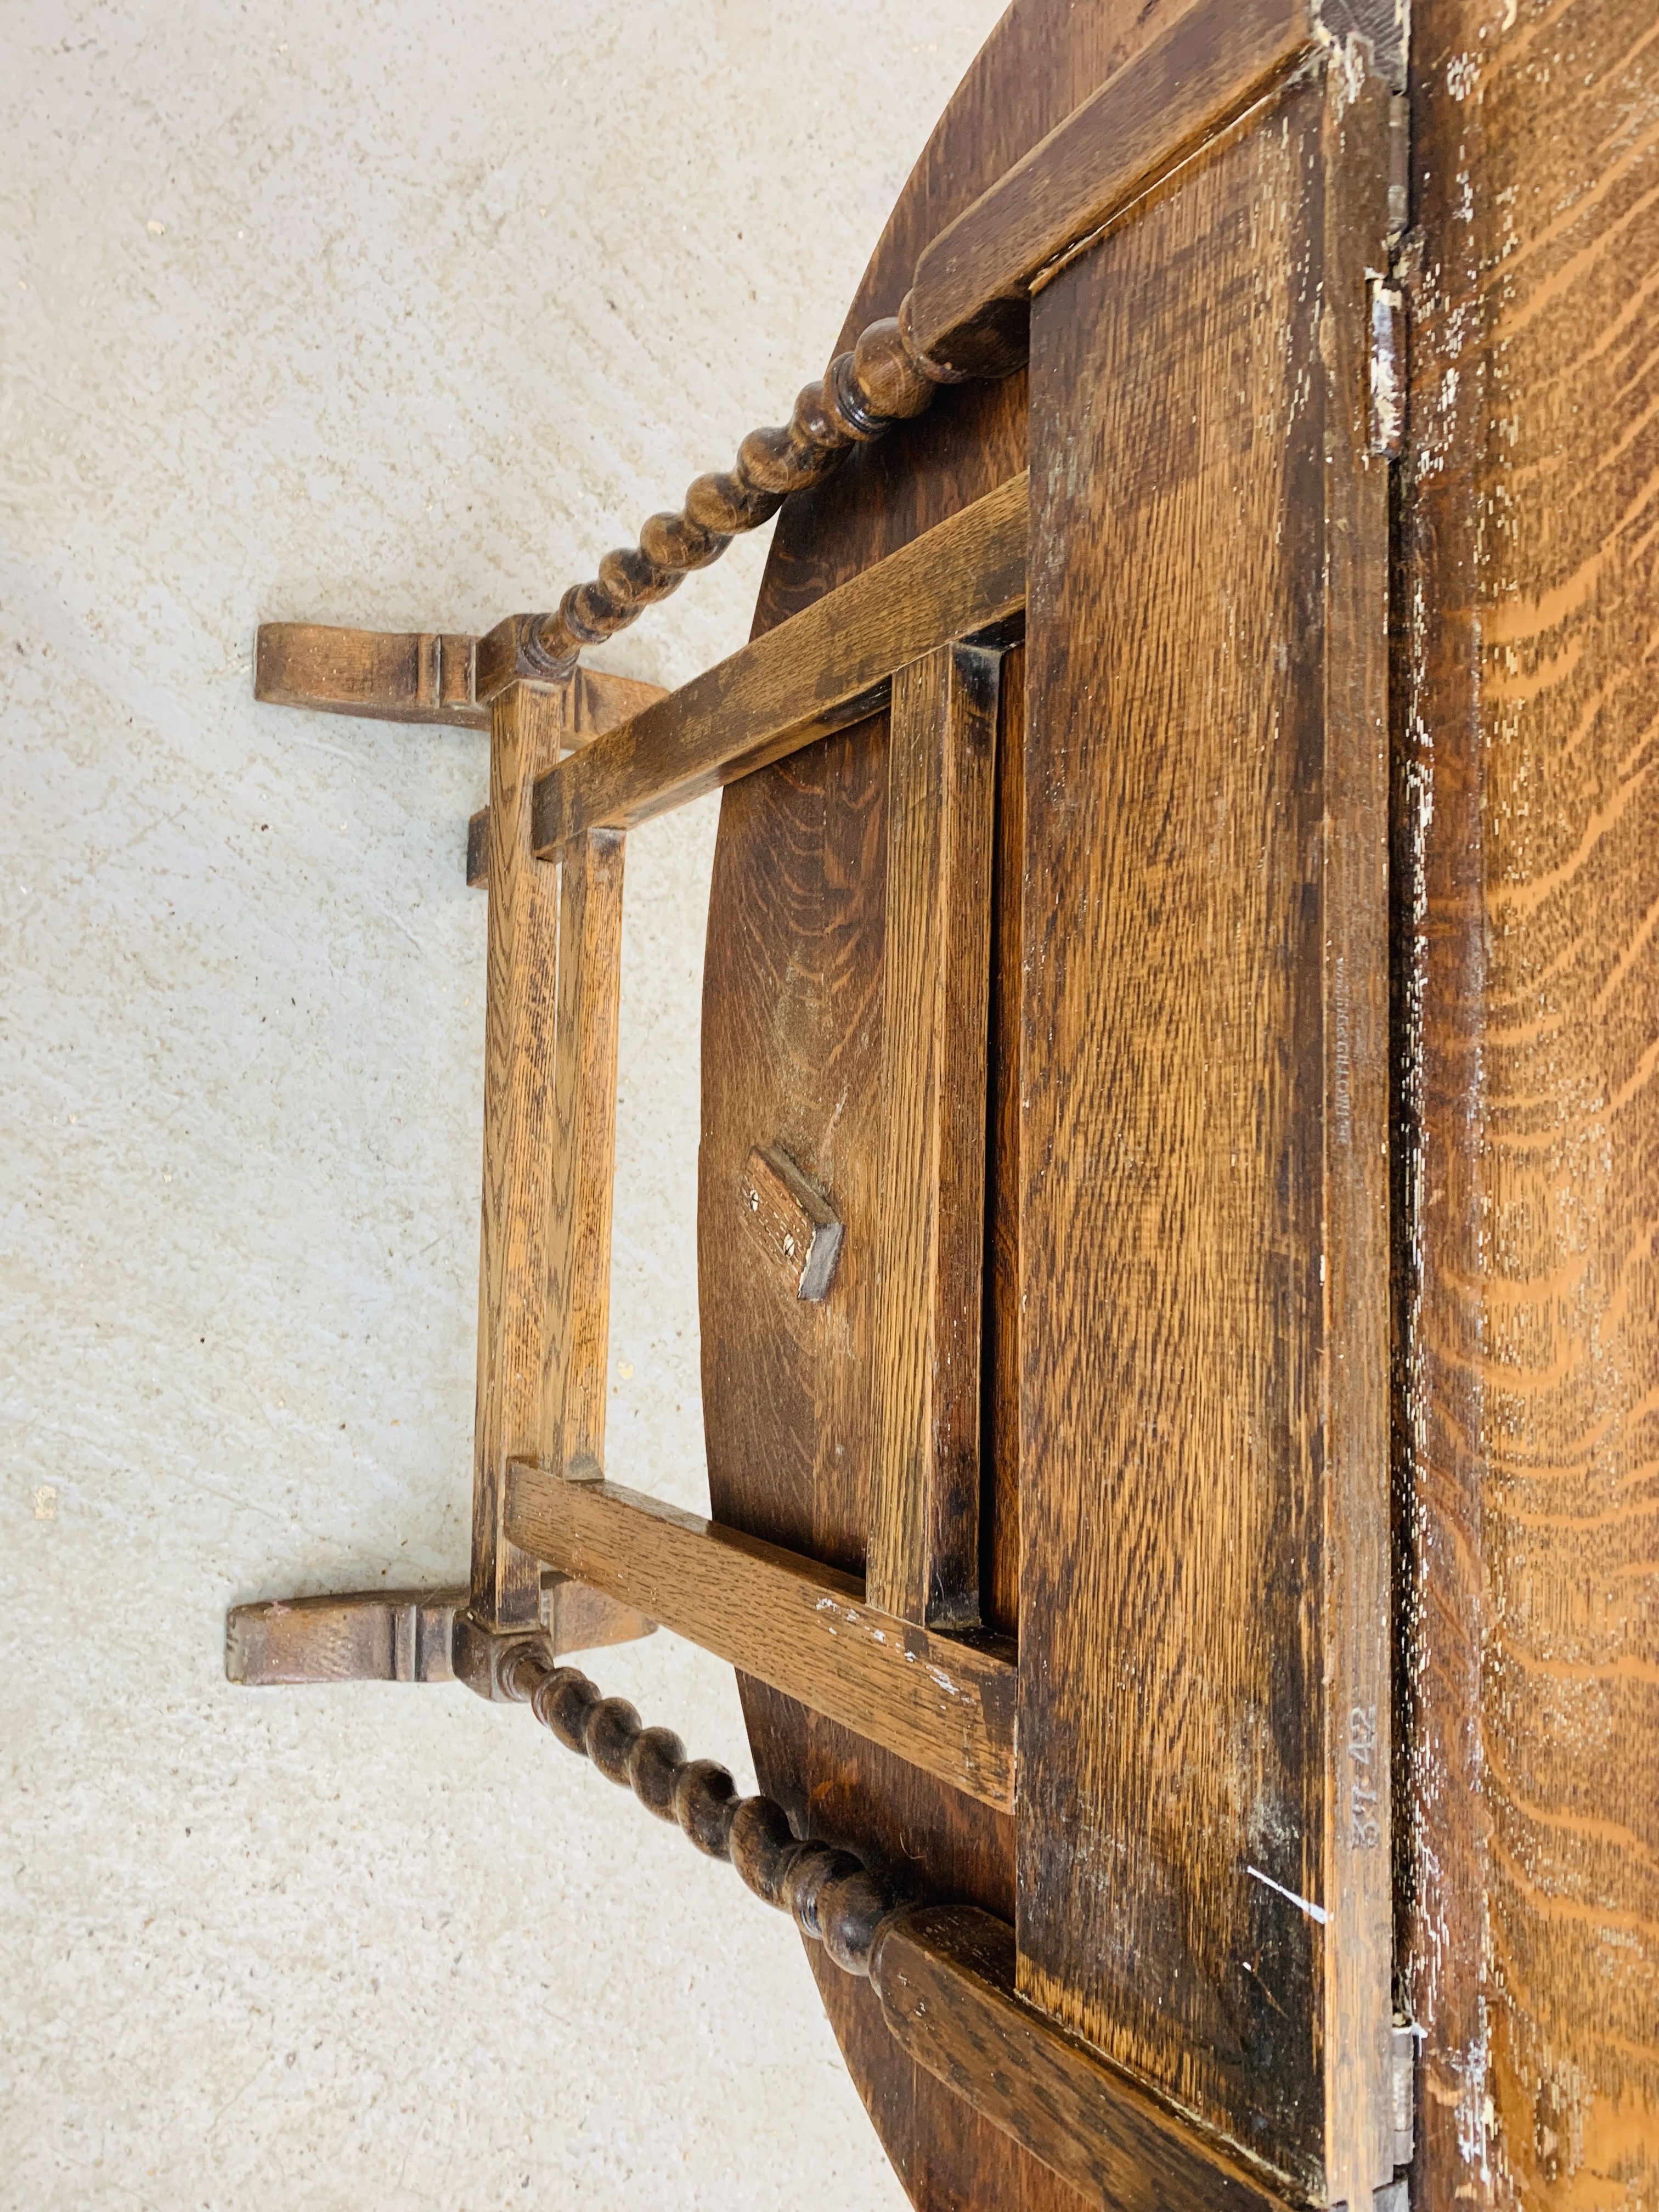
(399,1635)
(923,1553)
(944,1703)
(1203,1825)
(477,850)
(371,1636)
(792,1219)
(581,1619)
(386,676)
(970,301)
(945,1975)
(829,666)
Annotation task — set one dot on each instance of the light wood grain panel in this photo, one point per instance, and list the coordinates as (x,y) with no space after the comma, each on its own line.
(830,666)
(924,1541)
(1204,1562)
(945,1704)
(1529,837)
(519,1136)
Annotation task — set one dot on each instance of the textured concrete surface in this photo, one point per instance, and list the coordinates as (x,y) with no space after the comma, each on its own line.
(392,314)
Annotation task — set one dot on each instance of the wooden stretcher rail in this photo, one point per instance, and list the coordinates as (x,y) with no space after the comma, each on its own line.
(922,1559)
(829,666)
(945,1705)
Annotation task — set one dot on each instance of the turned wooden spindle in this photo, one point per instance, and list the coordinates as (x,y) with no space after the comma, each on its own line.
(885,379)
(831,1894)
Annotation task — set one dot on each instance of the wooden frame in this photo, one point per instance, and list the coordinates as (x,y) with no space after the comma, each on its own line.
(896,1659)
(925,628)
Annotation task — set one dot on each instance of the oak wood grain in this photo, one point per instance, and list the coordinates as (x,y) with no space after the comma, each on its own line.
(969,305)
(510,1419)
(831,666)
(579,1168)
(923,1547)
(944,1703)
(590,704)
(944,1978)
(1203,1581)
(1528,867)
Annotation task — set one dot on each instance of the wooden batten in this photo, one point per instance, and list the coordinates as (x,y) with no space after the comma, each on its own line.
(519,1132)
(923,1553)
(1204,1342)
(831,665)
(945,1975)
(790,1219)
(390,676)
(942,1704)
(970,303)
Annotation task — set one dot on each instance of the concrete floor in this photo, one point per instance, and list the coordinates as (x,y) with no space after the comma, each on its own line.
(392,314)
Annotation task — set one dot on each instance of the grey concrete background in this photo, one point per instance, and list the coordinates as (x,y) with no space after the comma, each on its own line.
(394,314)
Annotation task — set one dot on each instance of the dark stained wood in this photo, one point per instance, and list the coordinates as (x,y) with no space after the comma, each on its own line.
(945,1705)
(420,677)
(831,666)
(923,1554)
(945,1977)
(1529,873)
(792,1043)
(969,306)
(791,1219)
(1204,1592)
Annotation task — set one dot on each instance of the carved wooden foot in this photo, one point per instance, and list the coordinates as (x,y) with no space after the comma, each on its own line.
(406,1636)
